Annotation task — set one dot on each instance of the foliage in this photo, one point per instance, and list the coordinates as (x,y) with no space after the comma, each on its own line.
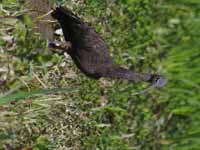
(144,35)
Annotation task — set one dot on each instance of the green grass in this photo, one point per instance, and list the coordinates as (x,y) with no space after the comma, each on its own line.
(41,110)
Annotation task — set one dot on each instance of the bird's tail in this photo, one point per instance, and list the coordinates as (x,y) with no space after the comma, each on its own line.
(64,14)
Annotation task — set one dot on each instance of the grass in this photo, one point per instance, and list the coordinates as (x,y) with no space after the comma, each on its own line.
(41,110)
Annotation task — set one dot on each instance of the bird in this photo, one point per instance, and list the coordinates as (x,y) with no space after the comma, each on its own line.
(90,52)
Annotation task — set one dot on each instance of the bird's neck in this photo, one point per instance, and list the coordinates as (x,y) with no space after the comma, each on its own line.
(122,73)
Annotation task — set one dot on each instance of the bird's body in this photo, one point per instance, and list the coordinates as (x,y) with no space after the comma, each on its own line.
(89,51)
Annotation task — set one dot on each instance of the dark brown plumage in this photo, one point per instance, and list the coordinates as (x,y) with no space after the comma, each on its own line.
(90,52)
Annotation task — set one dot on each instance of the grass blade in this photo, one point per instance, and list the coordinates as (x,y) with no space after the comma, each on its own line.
(22,95)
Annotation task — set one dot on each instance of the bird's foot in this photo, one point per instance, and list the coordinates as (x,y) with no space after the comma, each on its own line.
(158,80)
(64,46)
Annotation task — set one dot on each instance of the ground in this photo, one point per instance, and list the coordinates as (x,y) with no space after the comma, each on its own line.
(47,103)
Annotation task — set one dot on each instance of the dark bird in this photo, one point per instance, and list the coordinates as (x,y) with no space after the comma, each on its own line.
(90,52)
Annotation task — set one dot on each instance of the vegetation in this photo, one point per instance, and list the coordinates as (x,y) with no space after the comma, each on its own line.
(46,103)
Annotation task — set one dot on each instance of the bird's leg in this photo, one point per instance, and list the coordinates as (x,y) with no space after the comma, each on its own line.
(63,46)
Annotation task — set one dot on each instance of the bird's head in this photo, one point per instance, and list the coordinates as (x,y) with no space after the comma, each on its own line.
(158,80)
